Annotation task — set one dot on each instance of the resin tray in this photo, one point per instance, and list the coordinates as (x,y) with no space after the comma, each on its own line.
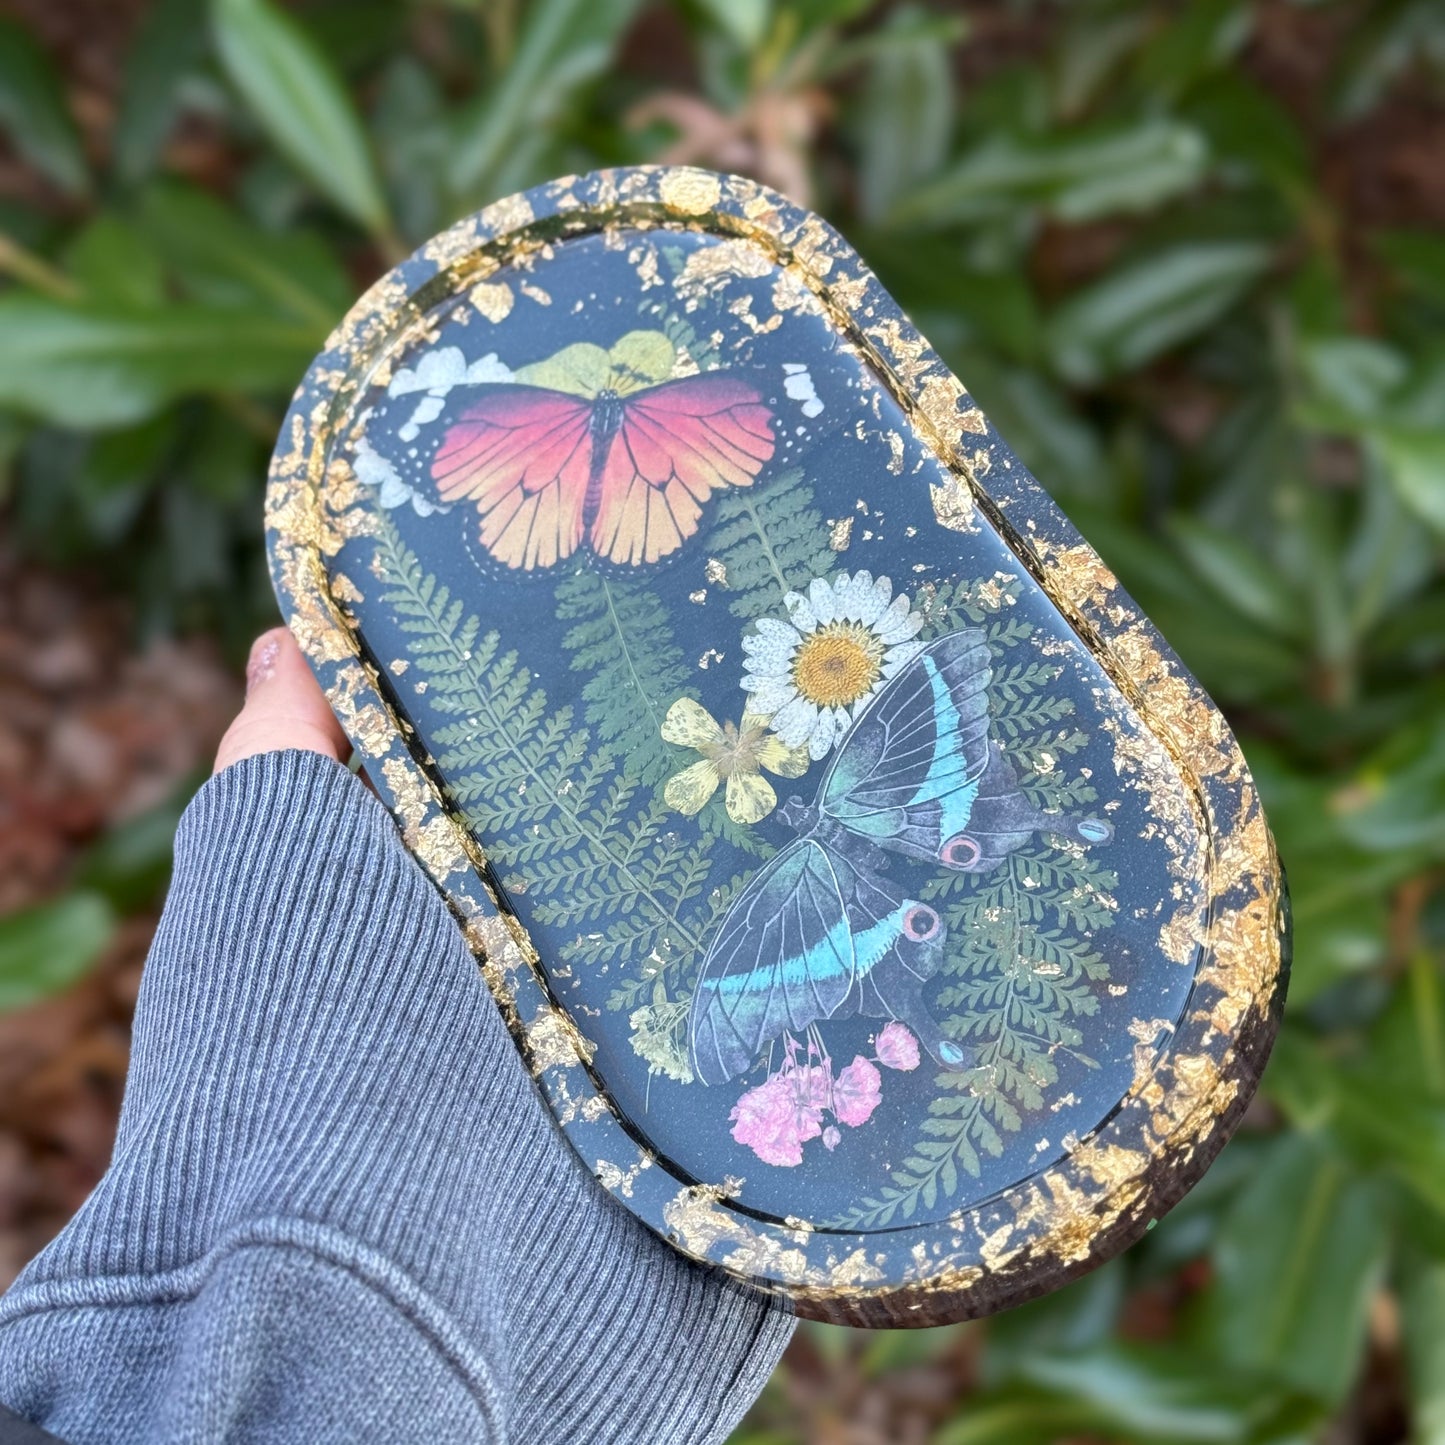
(886,916)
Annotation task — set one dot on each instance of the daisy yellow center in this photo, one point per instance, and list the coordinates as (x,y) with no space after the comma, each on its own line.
(837,664)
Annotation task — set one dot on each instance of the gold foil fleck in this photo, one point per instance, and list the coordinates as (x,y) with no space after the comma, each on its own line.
(689,192)
(493,299)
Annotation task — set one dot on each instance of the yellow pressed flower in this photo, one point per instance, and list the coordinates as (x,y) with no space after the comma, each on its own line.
(731,754)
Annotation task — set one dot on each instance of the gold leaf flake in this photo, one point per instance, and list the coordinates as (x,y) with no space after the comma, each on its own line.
(953,504)
(689,192)
(553,1040)
(493,299)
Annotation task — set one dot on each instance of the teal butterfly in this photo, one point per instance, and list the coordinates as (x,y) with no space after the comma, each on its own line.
(818,933)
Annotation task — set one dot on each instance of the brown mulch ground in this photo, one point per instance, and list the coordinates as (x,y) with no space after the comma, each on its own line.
(94,731)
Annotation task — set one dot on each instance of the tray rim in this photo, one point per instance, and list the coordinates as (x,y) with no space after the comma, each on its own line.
(1185,1097)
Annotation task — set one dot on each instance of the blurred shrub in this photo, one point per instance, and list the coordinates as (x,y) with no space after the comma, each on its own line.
(1189,257)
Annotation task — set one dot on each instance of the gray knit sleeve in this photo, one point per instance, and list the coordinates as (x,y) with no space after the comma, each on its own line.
(337,1208)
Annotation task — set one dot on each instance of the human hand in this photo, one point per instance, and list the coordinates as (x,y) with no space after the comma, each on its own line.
(284,708)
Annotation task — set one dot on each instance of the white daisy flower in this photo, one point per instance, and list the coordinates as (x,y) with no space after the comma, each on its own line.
(813,673)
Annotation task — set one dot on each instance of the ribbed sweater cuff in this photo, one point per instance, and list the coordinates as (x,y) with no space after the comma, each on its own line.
(313,1044)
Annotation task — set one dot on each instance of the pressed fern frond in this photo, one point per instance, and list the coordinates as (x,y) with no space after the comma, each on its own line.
(554,810)
(622,638)
(770,540)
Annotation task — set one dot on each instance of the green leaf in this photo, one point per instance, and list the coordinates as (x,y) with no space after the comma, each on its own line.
(1416,461)
(1389,38)
(1238,574)
(34,113)
(572,824)
(1162,1396)
(1150,305)
(1350,377)
(296,94)
(112,262)
(769,539)
(1078,177)
(1249,129)
(621,636)
(1095,42)
(1071,1319)
(745,20)
(1363,1110)
(100,366)
(1423,1299)
(410,124)
(1417,257)
(1389,556)
(169,48)
(126,461)
(905,112)
(130,864)
(1204,37)
(1397,804)
(564,45)
(221,258)
(1297,1262)
(45,949)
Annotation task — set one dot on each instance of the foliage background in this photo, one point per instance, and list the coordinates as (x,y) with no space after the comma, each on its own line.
(1188,255)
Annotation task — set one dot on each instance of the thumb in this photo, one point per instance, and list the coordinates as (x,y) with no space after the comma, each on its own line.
(284,708)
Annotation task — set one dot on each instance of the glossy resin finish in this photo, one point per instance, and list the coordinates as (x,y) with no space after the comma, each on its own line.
(885,913)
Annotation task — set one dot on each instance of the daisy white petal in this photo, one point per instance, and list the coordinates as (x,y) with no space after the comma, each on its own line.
(799,609)
(821,597)
(898,623)
(769,694)
(768,655)
(775,630)
(848,597)
(794,723)
(899,654)
(820,744)
(881,593)
(874,598)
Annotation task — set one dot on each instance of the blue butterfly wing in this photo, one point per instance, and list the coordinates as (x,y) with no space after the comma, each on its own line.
(908,772)
(782,958)
(908,939)
(813,936)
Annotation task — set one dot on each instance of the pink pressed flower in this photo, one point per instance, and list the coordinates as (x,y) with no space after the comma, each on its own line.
(832,1137)
(856,1092)
(814,1085)
(897,1048)
(775,1119)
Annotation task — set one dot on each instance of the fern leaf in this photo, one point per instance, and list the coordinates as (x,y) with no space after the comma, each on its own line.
(622,637)
(770,540)
(553,805)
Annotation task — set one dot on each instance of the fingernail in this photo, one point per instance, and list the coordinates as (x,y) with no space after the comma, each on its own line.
(262,662)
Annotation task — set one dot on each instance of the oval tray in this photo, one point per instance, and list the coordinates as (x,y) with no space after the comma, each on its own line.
(884,912)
